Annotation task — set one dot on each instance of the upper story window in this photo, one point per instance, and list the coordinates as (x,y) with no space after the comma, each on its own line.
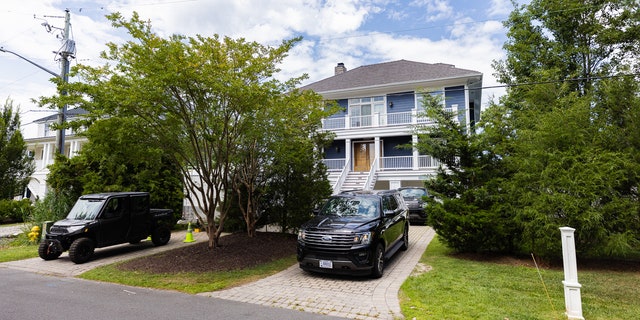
(362,109)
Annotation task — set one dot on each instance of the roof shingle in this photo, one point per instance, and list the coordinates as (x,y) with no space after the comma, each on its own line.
(400,71)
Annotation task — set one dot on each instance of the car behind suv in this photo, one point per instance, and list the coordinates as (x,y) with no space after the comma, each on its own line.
(414,198)
(354,232)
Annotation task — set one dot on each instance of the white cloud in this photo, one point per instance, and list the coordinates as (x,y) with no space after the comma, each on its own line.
(355,32)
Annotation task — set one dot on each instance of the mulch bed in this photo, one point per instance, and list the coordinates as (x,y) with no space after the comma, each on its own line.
(236,251)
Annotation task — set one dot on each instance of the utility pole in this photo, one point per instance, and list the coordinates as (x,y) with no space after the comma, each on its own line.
(67,50)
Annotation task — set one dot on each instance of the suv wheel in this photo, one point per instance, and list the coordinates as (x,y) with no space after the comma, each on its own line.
(81,250)
(48,250)
(160,236)
(405,239)
(378,262)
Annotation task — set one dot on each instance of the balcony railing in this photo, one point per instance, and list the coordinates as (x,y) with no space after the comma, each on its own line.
(375,120)
(390,163)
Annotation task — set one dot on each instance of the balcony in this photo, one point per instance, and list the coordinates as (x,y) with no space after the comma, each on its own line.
(375,120)
(391,163)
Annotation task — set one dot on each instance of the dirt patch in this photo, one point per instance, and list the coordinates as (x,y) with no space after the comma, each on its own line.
(236,251)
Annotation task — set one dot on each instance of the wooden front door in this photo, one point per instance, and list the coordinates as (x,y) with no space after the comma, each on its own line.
(363,156)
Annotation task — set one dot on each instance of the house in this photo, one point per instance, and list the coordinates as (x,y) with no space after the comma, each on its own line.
(43,148)
(381,106)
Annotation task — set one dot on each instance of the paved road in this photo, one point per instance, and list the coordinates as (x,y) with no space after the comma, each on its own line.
(31,296)
(340,296)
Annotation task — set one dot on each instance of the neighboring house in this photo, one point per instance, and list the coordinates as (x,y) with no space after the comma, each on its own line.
(381,106)
(43,148)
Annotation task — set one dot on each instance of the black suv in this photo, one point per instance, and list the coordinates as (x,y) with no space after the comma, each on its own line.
(354,233)
(414,198)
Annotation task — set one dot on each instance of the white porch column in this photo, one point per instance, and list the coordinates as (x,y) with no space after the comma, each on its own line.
(347,154)
(46,154)
(377,153)
(416,154)
(572,299)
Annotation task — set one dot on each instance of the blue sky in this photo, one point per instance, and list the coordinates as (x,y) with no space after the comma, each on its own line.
(467,34)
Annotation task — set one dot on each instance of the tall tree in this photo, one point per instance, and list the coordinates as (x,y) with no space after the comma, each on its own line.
(16,166)
(197,95)
(570,149)
(467,199)
(561,148)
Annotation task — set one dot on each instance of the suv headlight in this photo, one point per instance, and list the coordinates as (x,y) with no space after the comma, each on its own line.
(301,235)
(362,238)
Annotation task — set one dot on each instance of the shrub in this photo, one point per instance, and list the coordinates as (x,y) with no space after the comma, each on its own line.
(14,210)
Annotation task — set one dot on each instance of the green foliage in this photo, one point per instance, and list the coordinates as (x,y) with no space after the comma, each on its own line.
(467,198)
(55,206)
(560,149)
(16,166)
(14,210)
(118,158)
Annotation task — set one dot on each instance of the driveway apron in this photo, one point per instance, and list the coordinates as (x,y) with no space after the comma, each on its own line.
(342,296)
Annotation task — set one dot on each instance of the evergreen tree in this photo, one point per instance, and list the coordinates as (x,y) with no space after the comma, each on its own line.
(16,166)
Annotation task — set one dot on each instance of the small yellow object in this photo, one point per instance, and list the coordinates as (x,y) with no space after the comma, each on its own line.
(34,235)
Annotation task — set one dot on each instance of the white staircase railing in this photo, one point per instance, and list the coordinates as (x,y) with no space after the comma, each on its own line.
(368,184)
(342,177)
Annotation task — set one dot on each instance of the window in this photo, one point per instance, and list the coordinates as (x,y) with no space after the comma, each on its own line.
(362,109)
(389,203)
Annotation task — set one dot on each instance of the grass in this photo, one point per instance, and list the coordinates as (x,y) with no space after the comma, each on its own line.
(188,282)
(463,289)
(18,248)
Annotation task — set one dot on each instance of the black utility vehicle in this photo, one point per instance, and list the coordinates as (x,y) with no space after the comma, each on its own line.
(354,233)
(106,219)
(414,198)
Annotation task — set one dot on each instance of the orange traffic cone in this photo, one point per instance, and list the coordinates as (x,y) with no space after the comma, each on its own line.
(189,236)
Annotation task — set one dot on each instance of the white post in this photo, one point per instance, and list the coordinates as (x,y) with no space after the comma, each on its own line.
(572,299)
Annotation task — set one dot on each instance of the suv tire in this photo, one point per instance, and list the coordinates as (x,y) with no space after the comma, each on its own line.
(161,236)
(405,239)
(378,262)
(81,250)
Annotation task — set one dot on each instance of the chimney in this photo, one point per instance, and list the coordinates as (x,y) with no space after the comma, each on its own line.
(340,68)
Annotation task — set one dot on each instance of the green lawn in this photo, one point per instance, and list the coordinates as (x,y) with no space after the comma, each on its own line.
(462,289)
(189,282)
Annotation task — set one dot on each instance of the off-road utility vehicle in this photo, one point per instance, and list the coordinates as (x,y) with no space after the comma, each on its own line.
(106,219)
(354,233)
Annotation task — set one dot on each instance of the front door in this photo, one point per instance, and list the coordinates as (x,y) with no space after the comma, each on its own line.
(363,156)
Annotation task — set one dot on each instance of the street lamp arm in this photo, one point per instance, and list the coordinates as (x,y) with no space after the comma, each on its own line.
(33,63)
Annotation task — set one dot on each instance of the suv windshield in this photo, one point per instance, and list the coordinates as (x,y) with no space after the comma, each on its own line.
(365,207)
(417,193)
(85,209)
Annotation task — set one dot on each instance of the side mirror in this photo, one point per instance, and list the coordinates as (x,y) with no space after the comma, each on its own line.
(389,213)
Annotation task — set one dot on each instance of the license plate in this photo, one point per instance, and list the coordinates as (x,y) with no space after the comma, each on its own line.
(327,264)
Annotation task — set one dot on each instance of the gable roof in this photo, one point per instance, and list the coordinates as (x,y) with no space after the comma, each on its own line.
(400,71)
(71,113)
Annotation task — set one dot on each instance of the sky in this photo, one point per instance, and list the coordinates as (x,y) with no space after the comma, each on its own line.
(466,33)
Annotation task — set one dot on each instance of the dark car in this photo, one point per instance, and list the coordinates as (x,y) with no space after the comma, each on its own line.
(354,232)
(414,198)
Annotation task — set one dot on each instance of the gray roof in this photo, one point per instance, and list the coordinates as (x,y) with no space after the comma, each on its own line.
(71,113)
(400,71)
